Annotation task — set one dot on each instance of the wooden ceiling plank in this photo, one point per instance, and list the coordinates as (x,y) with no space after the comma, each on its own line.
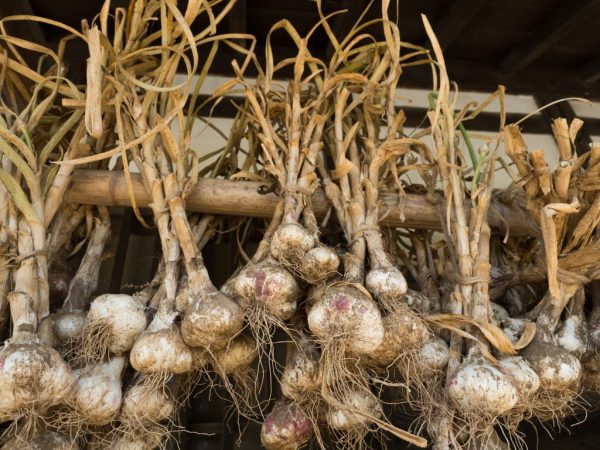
(471,75)
(485,121)
(475,76)
(237,19)
(481,77)
(555,27)
(343,22)
(25,29)
(455,19)
(590,72)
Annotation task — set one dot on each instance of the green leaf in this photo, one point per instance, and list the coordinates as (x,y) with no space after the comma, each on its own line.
(50,174)
(19,197)
(20,163)
(21,146)
(68,125)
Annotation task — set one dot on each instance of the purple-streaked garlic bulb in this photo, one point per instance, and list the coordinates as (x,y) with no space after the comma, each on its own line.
(286,427)
(345,312)
(269,286)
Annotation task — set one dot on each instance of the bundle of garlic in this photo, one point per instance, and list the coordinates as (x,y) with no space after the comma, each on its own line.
(341,314)
(96,340)
(35,378)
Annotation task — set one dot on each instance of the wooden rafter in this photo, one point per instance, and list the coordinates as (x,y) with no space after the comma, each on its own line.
(455,19)
(228,107)
(485,121)
(549,32)
(472,74)
(237,20)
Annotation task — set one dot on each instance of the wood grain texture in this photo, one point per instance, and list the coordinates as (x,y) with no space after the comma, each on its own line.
(241,198)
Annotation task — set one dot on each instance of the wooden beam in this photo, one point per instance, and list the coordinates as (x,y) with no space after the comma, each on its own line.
(237,20)
(481,77)
(471,75)
(227,108)
(455,19)
(550,31)
(241,198)
(485,121)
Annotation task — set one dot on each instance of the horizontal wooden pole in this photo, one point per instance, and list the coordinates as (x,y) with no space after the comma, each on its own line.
(486,121)
(241,198)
